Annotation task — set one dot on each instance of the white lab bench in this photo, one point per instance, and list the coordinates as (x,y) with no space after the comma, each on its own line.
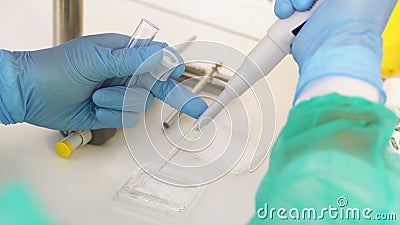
(78,191)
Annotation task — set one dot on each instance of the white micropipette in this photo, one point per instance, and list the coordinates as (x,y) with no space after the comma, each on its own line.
(261,60)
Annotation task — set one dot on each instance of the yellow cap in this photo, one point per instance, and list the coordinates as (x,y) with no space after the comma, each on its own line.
(391,62)
(64,149)
(391,45)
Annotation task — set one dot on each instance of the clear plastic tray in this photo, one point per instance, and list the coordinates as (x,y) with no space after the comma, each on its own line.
(154,201)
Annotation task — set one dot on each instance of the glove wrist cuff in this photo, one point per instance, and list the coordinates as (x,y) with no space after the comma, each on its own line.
(352,61)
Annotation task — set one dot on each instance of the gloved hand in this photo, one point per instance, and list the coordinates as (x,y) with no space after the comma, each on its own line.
(80,85)
(285,8)
(343,38)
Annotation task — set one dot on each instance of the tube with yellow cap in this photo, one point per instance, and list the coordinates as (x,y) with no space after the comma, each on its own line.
(391,45)
(73,141)
(77,139)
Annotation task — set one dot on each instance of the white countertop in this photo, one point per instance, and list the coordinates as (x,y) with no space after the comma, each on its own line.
(79,190)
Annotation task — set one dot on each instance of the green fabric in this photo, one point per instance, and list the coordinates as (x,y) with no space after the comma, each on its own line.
(18,207)
(333,146)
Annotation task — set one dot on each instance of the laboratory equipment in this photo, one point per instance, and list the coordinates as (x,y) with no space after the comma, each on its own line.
(77,139)
(266,55)
(67,20)
(143,36)
(156,201)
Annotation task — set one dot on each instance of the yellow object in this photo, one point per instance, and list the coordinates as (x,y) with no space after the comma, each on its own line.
(391,45)
(64,149)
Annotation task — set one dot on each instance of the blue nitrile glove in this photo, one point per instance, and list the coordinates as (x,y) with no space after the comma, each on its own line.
(285,8)
(343,38)
(80,85)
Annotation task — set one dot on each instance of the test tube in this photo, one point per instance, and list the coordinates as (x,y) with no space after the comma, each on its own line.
(143,35)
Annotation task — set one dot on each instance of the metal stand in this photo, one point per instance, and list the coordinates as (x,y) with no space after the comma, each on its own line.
(67,20)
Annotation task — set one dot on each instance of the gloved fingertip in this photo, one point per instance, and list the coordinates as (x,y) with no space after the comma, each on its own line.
(194,107)
(179,97)
(302,5)
(178,71)
(98,97)
(283,9)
